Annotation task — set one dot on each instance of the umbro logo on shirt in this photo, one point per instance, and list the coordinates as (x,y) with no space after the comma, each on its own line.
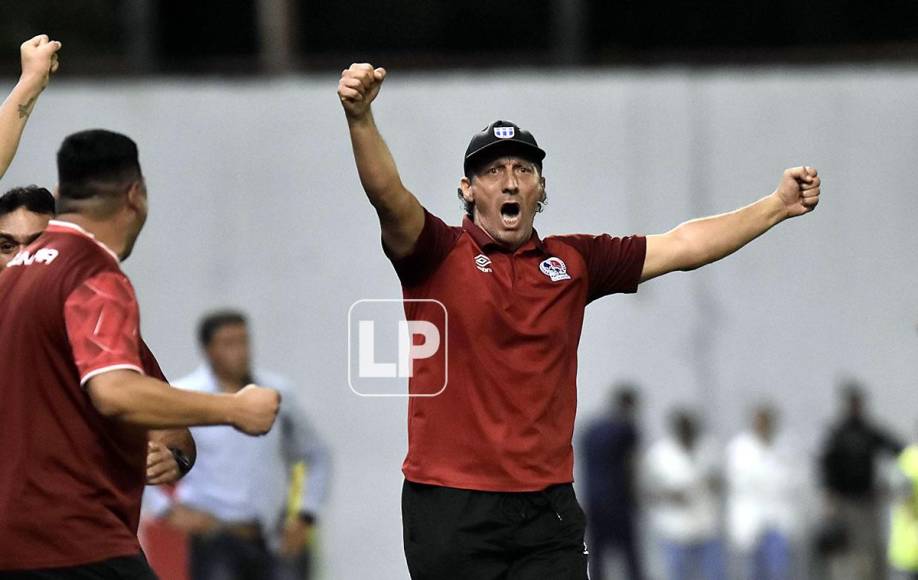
(483,263)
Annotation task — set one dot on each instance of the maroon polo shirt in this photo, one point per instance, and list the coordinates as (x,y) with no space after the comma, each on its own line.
(71,480)
(505,420)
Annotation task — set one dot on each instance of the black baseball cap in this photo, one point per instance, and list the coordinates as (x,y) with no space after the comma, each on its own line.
(502,138)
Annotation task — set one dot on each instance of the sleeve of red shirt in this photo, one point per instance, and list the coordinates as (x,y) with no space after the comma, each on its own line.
(613,264)
(149,363)
(433,245)
(103,321)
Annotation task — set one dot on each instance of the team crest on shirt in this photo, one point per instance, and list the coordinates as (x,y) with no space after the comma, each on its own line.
(483,263)
(504,132)
(555,268)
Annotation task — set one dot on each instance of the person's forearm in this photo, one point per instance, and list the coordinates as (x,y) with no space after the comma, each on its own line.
(375,165)
(147,402)
(14,114)
(709,239)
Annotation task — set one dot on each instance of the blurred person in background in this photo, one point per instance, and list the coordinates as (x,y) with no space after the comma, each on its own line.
(903,536)
(848,466)
(609,448)
(681,479)
(233,505)
(763,500)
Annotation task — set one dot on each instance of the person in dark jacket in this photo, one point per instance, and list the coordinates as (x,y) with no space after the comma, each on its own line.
(848,465)
(610,447)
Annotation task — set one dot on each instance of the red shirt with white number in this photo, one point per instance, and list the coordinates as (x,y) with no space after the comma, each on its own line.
(70,479)
(505,420)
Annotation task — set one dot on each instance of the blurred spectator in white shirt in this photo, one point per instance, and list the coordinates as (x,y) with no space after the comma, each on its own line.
(680,475)
(763,499)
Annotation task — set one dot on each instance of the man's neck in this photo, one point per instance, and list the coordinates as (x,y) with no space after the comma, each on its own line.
(511,247)
(229,383)
(104,232)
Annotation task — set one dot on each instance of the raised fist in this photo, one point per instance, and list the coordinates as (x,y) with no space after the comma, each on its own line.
(256,409)
(358,87)
(799,190)
(39,59)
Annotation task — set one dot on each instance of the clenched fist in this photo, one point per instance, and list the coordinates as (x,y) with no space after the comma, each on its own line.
(358,87)
(39,59)
(255,409)
(799,190)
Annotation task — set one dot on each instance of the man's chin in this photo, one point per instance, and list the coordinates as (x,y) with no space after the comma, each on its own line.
(512,233)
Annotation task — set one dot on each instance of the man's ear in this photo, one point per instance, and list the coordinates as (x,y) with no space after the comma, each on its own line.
(465,190)
(544,195)
(137,196)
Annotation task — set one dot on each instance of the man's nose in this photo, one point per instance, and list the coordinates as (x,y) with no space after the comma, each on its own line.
(511,183)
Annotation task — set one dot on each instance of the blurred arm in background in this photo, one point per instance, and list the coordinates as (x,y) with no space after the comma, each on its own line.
(696,243)
(400,214)
(39,61)
(302,444)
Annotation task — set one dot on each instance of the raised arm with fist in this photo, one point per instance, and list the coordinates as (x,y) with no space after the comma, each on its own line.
(39,59)
(401,216)
(39,62)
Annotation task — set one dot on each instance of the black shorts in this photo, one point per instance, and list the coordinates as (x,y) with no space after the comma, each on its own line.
(121,568)
(457,534)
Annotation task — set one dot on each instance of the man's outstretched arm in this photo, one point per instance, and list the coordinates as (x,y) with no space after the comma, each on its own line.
(39,61)
(400,214)
(147,402)
(702,241)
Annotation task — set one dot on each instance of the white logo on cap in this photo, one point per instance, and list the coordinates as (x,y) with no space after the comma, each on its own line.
(483,263)
(504,132)
(555,268)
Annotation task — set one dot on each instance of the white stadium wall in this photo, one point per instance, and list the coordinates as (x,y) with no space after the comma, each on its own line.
(255,203)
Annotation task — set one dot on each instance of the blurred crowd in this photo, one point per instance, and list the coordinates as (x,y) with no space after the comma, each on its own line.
(753,507)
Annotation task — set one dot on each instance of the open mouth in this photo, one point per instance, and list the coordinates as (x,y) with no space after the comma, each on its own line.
(510,213)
